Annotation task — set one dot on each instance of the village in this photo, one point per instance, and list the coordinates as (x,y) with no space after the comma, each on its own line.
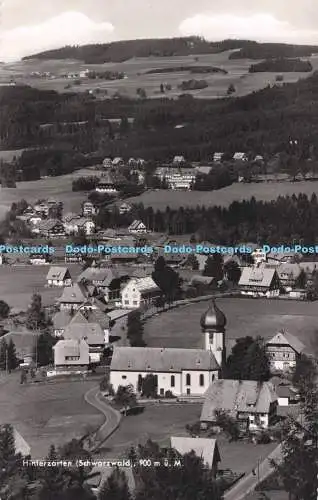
(87,314)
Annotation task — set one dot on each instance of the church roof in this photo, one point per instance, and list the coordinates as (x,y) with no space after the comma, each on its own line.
(213,318)
(156,359)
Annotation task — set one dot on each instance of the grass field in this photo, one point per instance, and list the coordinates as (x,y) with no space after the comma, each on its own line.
(135,70)
(18,283)
(180,327)
(265,191)
(46,414)
(59,188)
(160,422)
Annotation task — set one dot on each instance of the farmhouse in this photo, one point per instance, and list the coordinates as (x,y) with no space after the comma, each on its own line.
(92,333)
(50,228)
(138,292)
(288,273)
(240,157)
(251,403)
(137,227)
(207,449)
(58,276)
(110,183)
(74,296)
(74,223)
(88,209)
(71,353)
(217,157)
(39,259)
(107,163)
(181,371)
(125,208)
(178,160)
(283,351)
(105,279)
(259,281)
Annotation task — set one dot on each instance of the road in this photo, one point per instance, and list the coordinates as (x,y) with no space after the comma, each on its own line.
(112,417)
(248,483)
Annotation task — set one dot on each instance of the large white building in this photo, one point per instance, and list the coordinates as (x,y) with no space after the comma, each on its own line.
(183,372)
(139,292)
(177,178)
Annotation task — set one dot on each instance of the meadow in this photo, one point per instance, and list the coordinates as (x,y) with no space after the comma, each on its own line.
(58,188)
(19,283)
(48,413)
(255,317)
(136,72)
(266,191)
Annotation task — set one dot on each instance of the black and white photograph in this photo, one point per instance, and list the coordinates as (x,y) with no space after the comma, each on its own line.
(158,250)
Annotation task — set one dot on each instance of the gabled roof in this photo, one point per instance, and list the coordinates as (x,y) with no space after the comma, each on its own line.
(57,273)
(291,269)
(96,316)
(233,396)
(156,359)
(285,338)
(207,449)
(143,285)
(257,276)
(135,224)
(49,224)
(104,274)
(61,319)
(92,333)
(71,347)
(75,294)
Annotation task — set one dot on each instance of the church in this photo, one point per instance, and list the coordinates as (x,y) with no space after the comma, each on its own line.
(182,372)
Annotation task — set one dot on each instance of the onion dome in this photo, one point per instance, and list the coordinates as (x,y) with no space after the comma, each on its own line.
(213,318)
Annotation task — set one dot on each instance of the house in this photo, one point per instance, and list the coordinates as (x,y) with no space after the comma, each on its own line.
(74,296)
(139,292)
(107,163)
(283,351)
(105,279)
(110,183)
(207,449)
(252,404)
(240,157)
(179,371)
(42,209)
(125,208)
(288,273)
(60,320)
(258,256)
(79,329)
(88,209)
(298,293)
(178,160)
(118,162)
(96,316)
(73,224)
(39,259)
(217,157)
(50,228)
(137,227)
(71,353)
(259,281)
(58,276)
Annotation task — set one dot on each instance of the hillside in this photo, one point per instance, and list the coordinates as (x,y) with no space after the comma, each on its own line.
(166,47)
(262,122)
(254,50)
(281,65)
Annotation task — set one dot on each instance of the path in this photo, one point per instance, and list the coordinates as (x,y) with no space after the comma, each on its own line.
(248,483)
(112,417)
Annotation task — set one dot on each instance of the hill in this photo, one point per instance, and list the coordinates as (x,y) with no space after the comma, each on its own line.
(282,65)
(254,50)
(166,47)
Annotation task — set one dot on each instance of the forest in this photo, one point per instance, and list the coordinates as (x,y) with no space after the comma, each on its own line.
(287,219)
(190,69)
(282,65)
(254,50)
(263,122)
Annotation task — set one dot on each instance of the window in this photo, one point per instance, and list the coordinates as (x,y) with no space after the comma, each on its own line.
(172,381)
(126,302)
(188,379)
(201,380)
(188,391)
(72,358)
(135,302)
(213,377)
(124,377)
(162,392)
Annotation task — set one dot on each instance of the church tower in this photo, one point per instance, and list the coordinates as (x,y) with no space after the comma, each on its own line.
(213,323)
